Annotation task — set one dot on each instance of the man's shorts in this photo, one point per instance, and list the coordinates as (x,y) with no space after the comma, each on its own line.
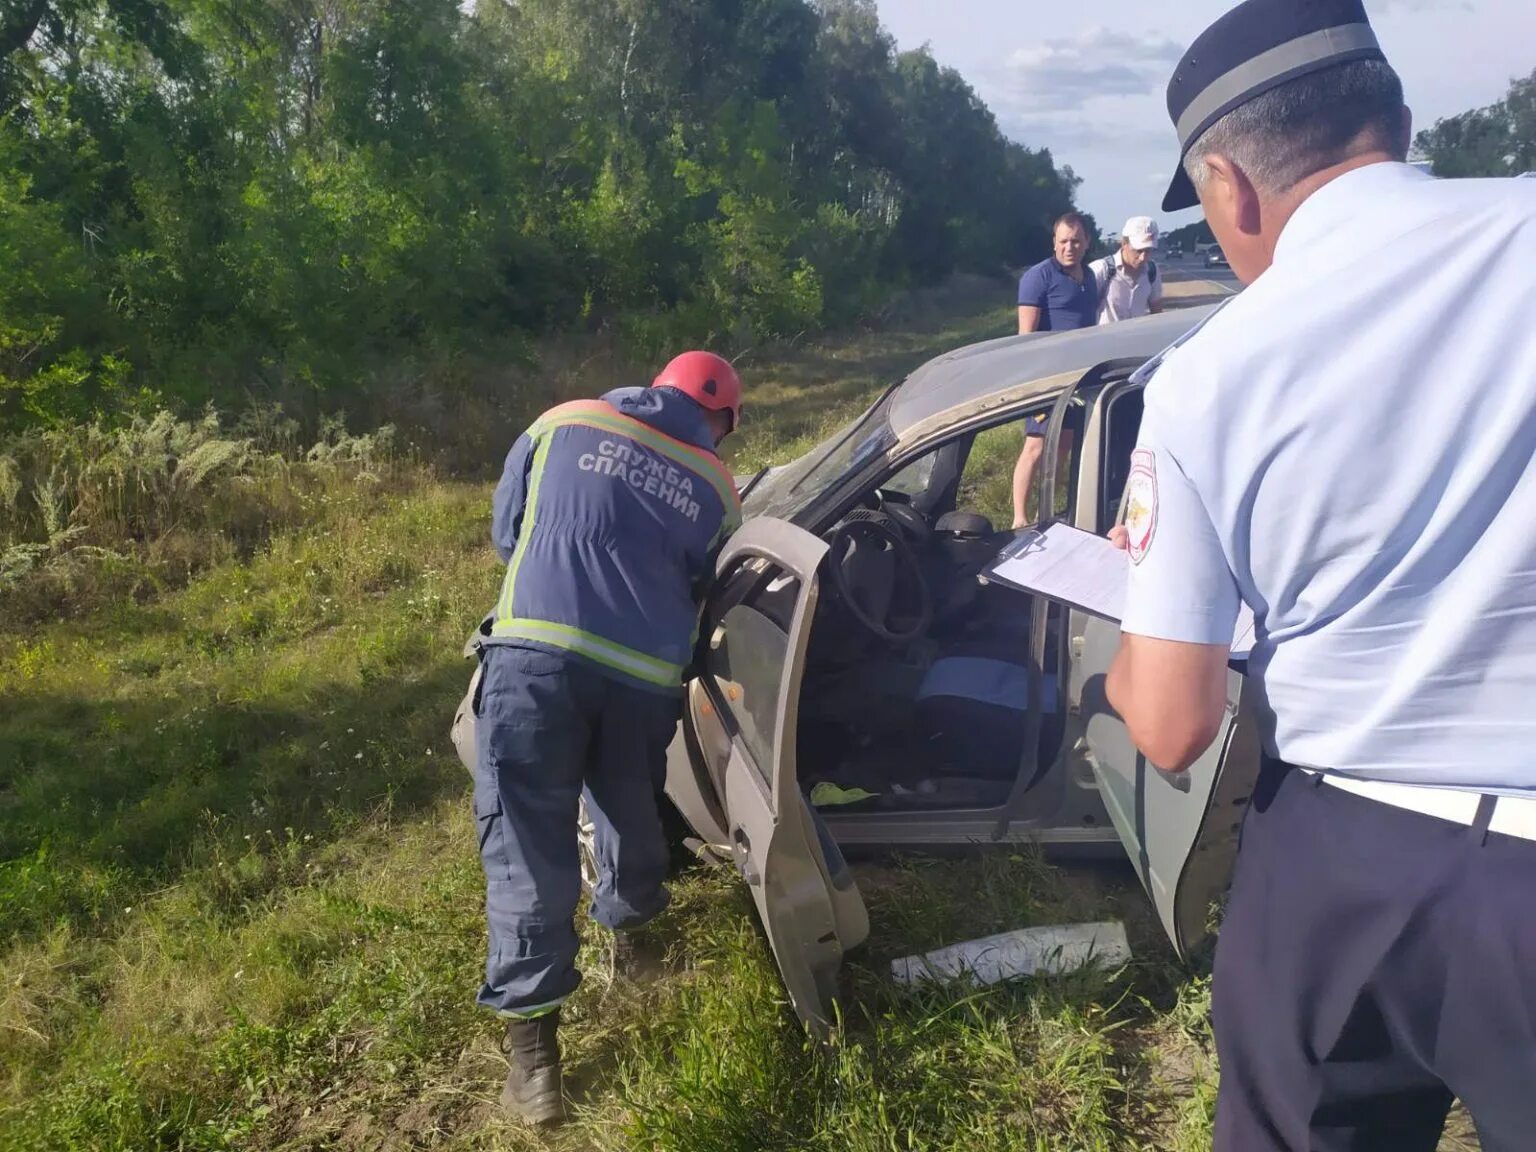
(1036,425)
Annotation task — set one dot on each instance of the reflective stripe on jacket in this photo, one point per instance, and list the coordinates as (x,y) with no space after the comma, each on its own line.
(608,514)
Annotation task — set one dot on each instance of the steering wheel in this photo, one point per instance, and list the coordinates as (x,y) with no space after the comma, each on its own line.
(908,518)
(880,533)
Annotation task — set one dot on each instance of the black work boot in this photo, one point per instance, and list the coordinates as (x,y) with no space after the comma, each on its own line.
(533,1092)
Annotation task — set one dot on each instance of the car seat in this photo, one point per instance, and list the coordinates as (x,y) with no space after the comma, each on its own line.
(972,712)
(963,544)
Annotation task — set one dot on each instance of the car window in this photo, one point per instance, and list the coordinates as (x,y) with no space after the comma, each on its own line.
(747,654)
(1122,424)
(986,485)
(791,486)
(847,449)
(913,480)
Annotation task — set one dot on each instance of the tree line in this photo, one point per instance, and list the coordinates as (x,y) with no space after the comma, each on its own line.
(1499,140)
(1188,236)
(221,200)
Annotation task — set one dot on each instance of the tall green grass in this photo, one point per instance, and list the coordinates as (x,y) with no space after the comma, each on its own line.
(97,513)
(240,905)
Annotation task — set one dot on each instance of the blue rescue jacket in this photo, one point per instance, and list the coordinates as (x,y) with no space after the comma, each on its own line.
(608,515)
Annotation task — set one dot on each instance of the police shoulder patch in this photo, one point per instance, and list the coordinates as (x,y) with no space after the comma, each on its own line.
(1141,503)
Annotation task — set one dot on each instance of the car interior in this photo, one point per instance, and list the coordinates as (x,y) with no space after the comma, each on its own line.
(916,686)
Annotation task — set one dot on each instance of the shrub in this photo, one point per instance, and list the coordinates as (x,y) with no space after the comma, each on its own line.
(95,509)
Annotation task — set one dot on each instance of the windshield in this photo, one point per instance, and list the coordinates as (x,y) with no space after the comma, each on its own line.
(791,487)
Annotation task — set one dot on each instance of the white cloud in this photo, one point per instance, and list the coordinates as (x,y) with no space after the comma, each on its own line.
(1096,101)
(1058,75)
(1115,131)
(1094,95)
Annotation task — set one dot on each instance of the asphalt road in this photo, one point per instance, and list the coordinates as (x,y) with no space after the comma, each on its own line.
(1195,267)
(1188,282)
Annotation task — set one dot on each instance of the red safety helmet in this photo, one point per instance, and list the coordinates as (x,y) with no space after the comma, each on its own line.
(706,379)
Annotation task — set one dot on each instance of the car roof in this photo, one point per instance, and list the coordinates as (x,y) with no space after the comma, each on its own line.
(1019,367)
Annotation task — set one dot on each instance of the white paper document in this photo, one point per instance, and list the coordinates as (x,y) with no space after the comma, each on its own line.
(1083,571)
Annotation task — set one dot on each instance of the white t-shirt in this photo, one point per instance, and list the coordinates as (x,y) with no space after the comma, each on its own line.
(1127,296)
(1348,448)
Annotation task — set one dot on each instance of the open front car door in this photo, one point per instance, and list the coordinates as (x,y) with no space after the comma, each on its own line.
(757,626)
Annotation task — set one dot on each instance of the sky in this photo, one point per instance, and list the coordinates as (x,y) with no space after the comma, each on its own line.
(1087,80)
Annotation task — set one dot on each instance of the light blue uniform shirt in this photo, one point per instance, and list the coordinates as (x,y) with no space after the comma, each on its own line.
(1348,447)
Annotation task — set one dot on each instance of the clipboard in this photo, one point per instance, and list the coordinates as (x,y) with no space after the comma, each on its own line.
(1065,564)
(1083,571)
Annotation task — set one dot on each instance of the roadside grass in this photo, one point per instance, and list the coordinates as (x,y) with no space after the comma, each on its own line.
(240,906)
(801,396)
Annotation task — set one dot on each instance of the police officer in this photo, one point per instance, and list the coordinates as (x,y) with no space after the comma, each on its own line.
(1378,953)
(608,514)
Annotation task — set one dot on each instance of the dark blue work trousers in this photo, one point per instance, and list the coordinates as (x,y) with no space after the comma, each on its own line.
(1373,964)
(550,728)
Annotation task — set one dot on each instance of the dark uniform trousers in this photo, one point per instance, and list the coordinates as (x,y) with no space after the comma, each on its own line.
(549,728)
(1373,964)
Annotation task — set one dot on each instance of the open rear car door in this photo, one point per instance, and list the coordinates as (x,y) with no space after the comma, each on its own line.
(757,626)
(1179,828)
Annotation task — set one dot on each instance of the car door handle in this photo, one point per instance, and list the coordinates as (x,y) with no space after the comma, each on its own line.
(1179,781)
(741,849)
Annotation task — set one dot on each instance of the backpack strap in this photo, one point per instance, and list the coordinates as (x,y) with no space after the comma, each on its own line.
(1110,268)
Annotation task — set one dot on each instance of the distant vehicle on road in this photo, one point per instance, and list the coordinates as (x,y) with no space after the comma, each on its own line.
(1216,258)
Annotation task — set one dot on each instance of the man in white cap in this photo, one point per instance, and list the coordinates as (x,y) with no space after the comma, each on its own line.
(1129,282)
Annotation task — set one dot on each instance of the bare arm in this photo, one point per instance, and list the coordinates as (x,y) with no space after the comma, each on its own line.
(1171,695)
(1029,319)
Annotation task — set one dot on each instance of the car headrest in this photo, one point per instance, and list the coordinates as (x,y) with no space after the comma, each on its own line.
(964,524)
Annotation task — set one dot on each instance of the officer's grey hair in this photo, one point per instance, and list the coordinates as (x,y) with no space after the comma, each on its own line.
(1288,133)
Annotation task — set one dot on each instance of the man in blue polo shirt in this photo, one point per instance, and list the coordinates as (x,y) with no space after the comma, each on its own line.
(1056,295)
(1059,294)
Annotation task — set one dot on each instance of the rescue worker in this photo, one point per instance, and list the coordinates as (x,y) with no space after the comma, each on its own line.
(608,515)
(1378,952)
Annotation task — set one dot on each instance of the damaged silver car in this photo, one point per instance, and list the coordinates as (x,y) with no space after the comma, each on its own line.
(860,685)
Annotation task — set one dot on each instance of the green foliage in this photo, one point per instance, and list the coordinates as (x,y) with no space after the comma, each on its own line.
(254,918)
(1190,235)
(1499,140)
(45,294)
(93,509)
(302,202)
